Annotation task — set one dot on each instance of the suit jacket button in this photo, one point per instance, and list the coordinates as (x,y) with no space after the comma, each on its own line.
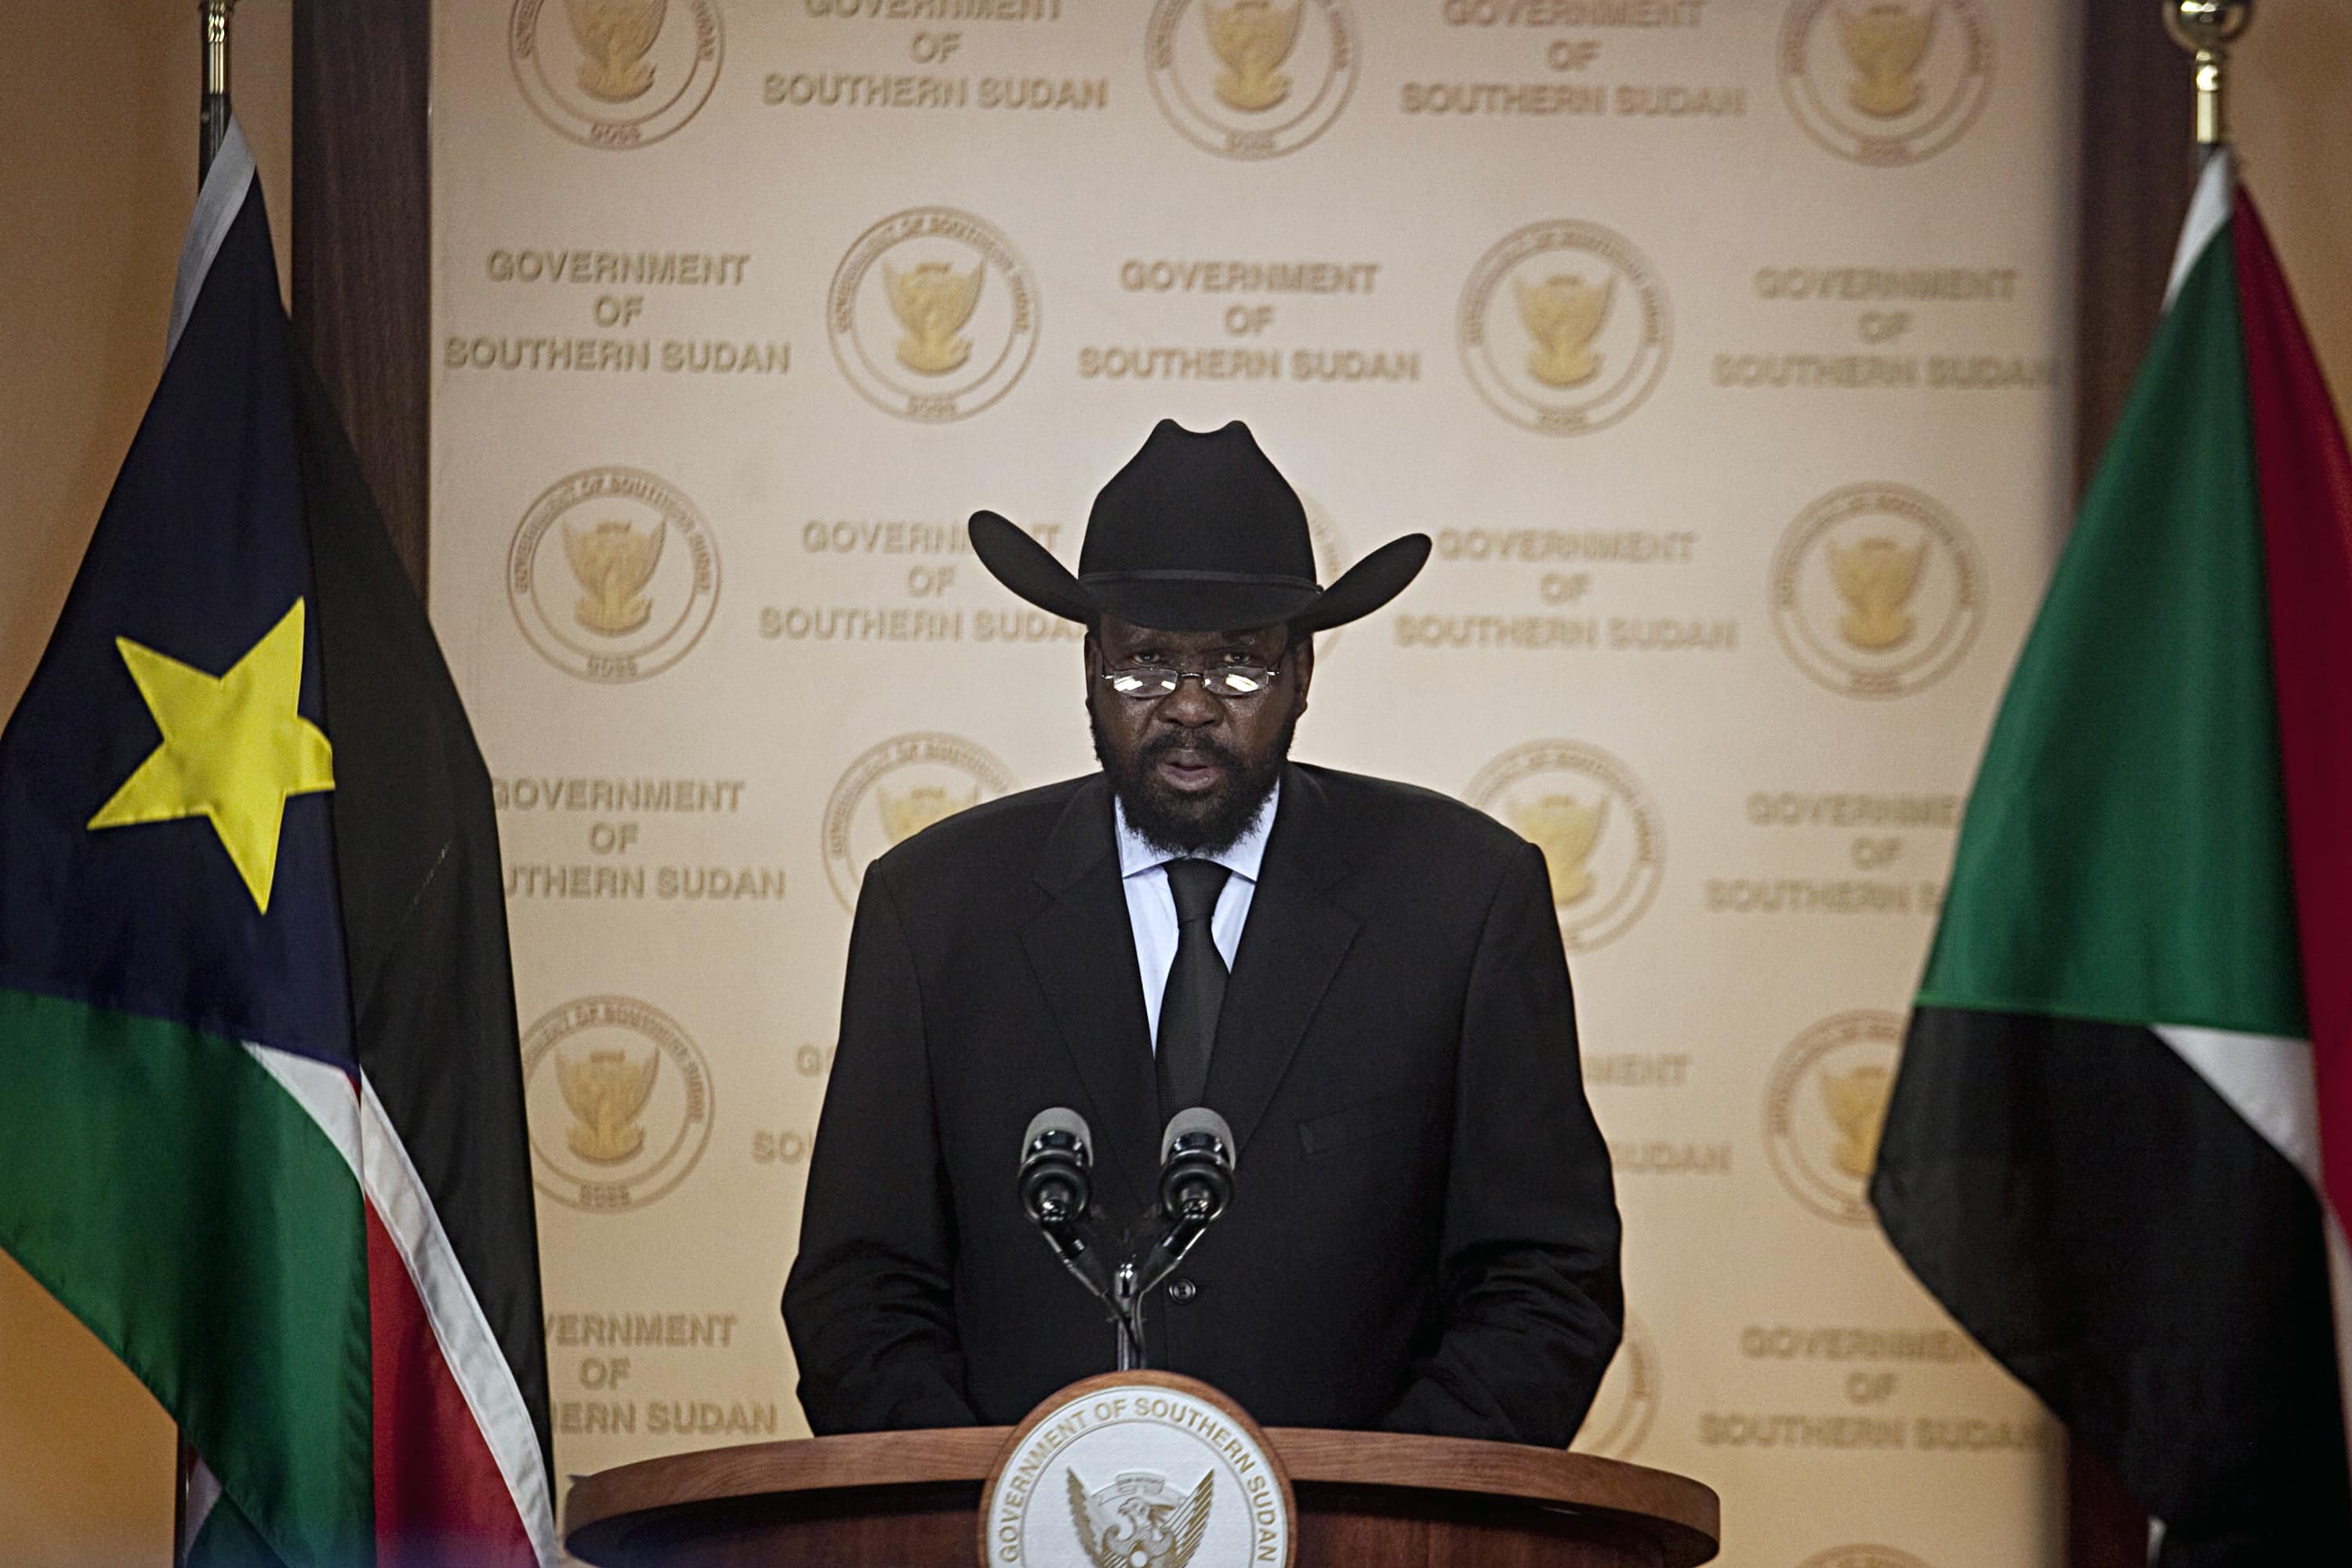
(1181,1290)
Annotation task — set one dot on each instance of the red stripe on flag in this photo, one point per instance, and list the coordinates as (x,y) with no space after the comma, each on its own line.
(2304,479)
(439,1498)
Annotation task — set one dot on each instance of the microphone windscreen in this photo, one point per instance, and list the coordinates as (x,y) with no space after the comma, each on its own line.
(1199,1118)
(1058,1118)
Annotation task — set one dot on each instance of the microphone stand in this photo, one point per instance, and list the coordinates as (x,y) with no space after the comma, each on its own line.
(1125,1304)
(1196,1181)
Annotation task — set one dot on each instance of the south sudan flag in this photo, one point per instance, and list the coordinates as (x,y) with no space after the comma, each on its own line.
(260,1102)
(2120,1142)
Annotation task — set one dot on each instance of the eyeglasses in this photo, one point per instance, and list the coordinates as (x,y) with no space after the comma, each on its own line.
(1150,682)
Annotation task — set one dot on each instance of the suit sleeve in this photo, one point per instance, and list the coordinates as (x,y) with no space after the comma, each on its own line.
(870,1301)
(1532,1301)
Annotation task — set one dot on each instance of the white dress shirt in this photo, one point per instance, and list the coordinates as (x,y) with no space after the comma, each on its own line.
(1151,907)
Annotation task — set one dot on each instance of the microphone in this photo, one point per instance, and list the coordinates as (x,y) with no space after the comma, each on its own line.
(1196,1165)
(1196,1182)
(1056,1165)
(1057,1185)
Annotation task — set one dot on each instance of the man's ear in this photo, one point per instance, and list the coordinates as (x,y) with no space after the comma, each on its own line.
(1302,667)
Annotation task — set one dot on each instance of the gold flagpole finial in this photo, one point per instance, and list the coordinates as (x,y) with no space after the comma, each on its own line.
(211,123)
(2207,28)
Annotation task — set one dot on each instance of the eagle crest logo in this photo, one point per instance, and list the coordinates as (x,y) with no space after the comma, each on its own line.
(1139,1521)
(1565,829)
(1877,578)
(904,816)
(932,302)
(1885,44)
(1564,313)
(613,562)
(1253,39)
(614,35)
(606,1093)
(1857,1104)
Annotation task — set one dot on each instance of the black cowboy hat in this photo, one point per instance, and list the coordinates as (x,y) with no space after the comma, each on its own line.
(1197,533)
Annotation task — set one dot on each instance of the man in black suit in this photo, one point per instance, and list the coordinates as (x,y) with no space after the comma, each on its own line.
(1365,979)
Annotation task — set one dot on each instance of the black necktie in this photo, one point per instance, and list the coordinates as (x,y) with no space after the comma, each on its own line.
(1196,987)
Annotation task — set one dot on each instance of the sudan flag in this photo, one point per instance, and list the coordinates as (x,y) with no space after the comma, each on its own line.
(2119,1148)
(260,1102)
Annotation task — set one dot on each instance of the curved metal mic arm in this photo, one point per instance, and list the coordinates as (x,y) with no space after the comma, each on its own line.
(1187,1226)
(1196,1182)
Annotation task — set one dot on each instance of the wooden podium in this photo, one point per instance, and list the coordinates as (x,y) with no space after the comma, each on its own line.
(910,1499)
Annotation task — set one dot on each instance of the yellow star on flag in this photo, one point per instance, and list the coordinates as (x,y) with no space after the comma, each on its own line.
(234,749)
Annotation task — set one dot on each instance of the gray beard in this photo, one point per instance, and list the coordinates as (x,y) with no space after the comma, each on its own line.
(1176,824)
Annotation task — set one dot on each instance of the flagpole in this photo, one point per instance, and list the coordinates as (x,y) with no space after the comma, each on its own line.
(213,119)
(212,130)
(2207,28)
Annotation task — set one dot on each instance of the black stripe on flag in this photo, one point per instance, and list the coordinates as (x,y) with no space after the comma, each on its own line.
(424,905)
(2120,1239)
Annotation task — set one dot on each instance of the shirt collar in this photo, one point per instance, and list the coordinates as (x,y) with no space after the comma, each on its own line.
(1242,857)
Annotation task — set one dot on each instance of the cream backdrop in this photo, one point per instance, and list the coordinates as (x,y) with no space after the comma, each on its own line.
(1723,346)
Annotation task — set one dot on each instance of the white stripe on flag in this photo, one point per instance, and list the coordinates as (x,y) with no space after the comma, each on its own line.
(324,1091)
(2208,209)
(467,1345)
(2266,1080)
(360,1131)
(2269,1082)
(226,184)
(203,1496)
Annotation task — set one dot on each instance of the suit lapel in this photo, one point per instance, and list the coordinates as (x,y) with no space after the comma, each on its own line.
(1290,949)
(1083,951)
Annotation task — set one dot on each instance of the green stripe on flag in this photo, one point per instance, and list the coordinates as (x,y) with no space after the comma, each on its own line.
(170,1194)
(2125,853)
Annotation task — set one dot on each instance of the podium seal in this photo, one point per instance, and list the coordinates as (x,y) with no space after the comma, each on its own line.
(1136,1469)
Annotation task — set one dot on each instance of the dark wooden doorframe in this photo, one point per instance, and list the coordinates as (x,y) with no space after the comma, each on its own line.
(364,240)
(364,293)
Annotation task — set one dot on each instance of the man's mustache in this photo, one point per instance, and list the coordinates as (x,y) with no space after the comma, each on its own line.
(1195,747)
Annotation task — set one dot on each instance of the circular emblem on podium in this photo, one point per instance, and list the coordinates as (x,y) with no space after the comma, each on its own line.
(1136,1469)
(1862,1557)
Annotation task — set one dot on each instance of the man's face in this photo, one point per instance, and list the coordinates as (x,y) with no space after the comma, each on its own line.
(1191,769)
